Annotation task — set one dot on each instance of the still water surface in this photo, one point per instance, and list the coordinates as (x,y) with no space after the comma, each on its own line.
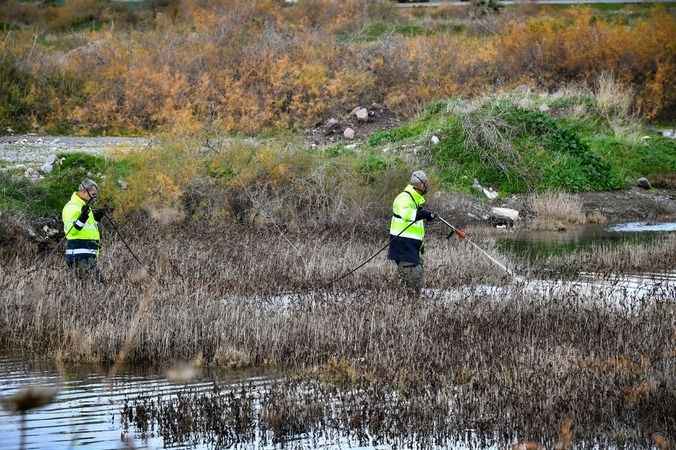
(86,412)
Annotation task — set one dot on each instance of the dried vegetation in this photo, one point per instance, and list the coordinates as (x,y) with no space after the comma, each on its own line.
(249,66)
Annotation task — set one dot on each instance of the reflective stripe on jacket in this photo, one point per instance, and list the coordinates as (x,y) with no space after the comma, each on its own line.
(86,240)
(406,247)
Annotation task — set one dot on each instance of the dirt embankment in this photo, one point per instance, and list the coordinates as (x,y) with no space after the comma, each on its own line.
(655,205)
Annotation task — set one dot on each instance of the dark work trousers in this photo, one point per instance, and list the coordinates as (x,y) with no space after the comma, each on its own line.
(85,267)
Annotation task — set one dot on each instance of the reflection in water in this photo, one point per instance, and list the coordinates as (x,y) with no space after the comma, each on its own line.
(86,411)
(533,244)
(249,412)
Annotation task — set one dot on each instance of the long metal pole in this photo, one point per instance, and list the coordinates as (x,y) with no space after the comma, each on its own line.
(484,252)
(110,221)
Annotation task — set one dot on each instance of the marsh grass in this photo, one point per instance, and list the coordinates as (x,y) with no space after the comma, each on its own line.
(511,361)
(554,210)
(656,255)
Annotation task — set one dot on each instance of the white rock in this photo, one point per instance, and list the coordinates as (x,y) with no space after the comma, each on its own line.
(505,213)
(351,146)
(362,114)
(643,183)
(490,193)
(543,108)
(671,134)
(331,123)
(349,133)
(122,184)
(434,140)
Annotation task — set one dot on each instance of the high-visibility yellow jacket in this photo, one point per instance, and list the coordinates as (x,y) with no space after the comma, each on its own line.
(83,238)
(405,243)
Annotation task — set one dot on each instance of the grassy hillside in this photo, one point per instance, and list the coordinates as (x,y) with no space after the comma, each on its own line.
(517,142)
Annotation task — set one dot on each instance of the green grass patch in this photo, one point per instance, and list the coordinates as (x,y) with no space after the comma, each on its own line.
(516,149)
(47,196)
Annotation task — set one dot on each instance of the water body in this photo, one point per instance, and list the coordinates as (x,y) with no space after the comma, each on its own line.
(532,244)
(91,412)
(86,412)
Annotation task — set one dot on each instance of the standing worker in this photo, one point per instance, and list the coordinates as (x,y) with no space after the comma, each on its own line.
(82,229)
(407,231)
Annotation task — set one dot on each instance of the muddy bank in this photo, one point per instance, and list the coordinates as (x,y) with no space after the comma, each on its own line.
(632,205)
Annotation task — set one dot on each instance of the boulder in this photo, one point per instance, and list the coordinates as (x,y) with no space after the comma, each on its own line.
(643,183)
(362,114)
(504,216)
(331,124)
(434,140)
(348,133)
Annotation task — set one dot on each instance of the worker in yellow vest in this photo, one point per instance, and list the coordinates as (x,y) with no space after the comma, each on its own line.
(407,231)
(80,223)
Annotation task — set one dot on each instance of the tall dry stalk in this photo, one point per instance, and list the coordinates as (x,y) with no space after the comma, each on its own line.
(555,209)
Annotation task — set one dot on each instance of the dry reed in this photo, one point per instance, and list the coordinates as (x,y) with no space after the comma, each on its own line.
(506,350)
(555,210)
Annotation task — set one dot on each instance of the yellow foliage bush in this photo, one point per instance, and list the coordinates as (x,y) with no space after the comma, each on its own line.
(156,178)
(252,66)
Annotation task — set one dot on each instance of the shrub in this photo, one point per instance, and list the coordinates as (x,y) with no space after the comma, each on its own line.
(258,66)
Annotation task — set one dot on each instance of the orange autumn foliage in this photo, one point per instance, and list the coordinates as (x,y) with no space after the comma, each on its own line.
(252,66)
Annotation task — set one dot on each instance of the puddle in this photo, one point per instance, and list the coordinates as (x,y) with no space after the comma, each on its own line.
(641,227)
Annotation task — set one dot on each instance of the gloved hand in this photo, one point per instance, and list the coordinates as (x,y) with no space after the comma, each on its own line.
(99,213)
(93,197)
(425,214)
(84,214)
(461,233)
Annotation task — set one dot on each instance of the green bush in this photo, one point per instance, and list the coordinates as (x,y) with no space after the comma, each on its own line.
(516,149)
(46,197)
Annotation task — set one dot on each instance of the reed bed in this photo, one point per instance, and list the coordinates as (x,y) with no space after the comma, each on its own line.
(656,255)
(510,360)
(554,210)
